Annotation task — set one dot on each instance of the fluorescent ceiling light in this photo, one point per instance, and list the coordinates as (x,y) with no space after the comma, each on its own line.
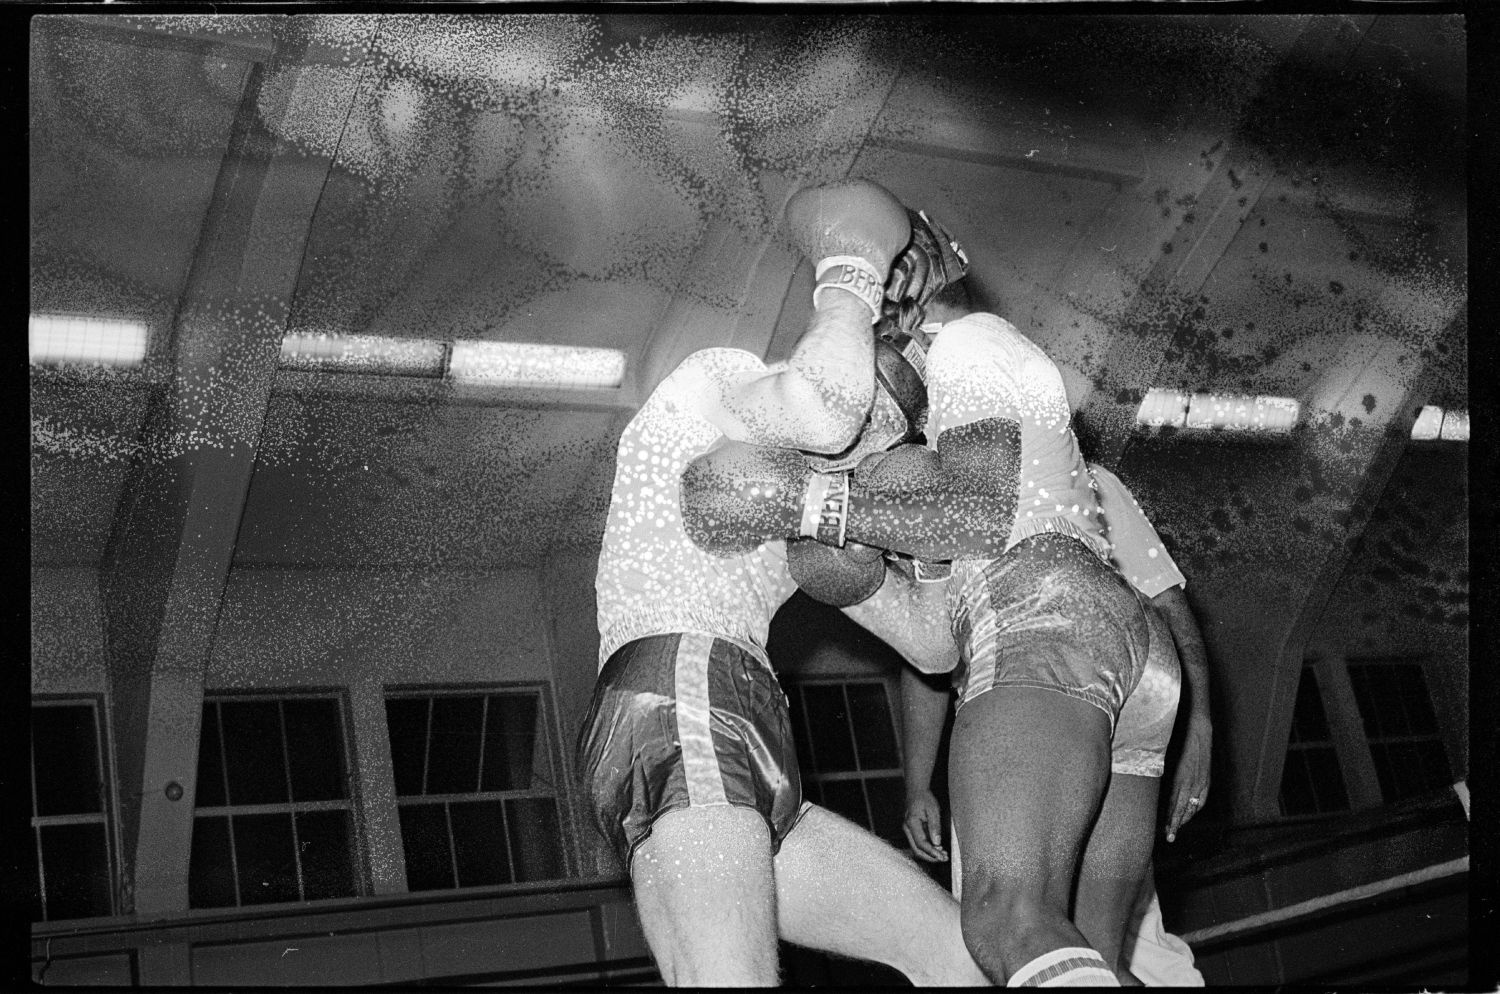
(1434,423)
(502,364)
(61,339)
(1242,412)
(519,364)
(1455,426)
(1428,424)
(372,354)
(1164,407)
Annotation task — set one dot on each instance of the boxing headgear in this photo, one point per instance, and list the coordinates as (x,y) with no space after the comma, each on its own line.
(899,412)
(932,260)
(901,371)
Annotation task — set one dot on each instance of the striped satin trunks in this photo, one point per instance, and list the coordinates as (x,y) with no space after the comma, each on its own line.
(1050,614)
(686,720)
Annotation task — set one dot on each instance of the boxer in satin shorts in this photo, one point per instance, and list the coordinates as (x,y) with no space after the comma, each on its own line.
(683,720)
(1049,614)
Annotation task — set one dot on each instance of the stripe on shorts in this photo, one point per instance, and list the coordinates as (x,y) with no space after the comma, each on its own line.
(700,763)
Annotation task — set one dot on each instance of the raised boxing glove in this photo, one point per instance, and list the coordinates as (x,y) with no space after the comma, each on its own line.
(851,230)
(738,495)
(840,577)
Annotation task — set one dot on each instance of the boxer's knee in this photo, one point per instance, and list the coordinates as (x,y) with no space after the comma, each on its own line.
(1010,914)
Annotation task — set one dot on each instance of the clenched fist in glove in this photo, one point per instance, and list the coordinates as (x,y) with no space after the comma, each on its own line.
(738,495)
(840,577)
(852,231)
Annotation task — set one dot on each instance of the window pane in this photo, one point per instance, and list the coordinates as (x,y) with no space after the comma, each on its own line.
(828,725)
(65,754)
(1383,711)
(1297,797)
(847,798)
(210,790)
(268,868)
(479,843)
(510,742)
(812,791)
(1420,718)
(34,899)
(535,838)
(76,861)
(874,731)
(429,855)
(253,754)
(1327,781)
(1406,769)
(210,870)
(406,720)
(1309,724)
(453,763)
(1364,699)
(315,746)
(887,808)
(801,737)
(325,839)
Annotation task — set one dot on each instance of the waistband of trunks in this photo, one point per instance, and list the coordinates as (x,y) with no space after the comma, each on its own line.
(621,634)
(971,573)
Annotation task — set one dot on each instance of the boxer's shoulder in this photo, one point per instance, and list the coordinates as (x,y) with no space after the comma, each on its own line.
(720,363)
(975,335)
(702,376)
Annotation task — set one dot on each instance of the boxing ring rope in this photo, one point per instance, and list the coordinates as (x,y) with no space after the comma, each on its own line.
(1348,896)
(1312,905)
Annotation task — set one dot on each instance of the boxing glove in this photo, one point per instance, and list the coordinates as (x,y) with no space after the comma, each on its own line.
(840,577)
(737,496)
(852,230)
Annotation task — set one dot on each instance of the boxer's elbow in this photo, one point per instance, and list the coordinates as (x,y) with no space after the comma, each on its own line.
(831,424)
(830,406)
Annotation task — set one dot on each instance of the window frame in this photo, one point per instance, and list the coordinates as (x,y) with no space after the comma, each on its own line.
(109,814)
(1418,663)
(795,683)
(1330,743)
(352,802)
(1346,728)
(549,729)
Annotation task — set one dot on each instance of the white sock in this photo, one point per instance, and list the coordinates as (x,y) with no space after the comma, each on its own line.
(1074,966)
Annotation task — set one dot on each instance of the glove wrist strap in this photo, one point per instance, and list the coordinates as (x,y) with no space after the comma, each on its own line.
(855,275)
(825,508)
(931,572)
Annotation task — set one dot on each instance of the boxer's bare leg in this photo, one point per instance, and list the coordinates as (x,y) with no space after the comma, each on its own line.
(843,890)
(1115,863)
(1027,771)
(705,897)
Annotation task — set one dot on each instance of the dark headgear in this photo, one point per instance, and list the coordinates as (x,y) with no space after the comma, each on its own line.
(932,260)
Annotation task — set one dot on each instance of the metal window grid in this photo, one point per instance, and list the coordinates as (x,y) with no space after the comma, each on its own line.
(101,817)
(288,807)
(861,773)
(541,751)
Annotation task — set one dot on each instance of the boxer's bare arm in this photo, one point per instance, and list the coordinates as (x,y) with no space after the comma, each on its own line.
(956,502)
(816,400)
(924,710)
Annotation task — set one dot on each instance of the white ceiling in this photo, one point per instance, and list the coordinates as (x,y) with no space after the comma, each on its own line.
(614,180)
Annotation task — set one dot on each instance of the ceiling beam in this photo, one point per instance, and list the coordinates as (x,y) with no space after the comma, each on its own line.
(1184,255)
(1368,458)
(733,289)
(165,566)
